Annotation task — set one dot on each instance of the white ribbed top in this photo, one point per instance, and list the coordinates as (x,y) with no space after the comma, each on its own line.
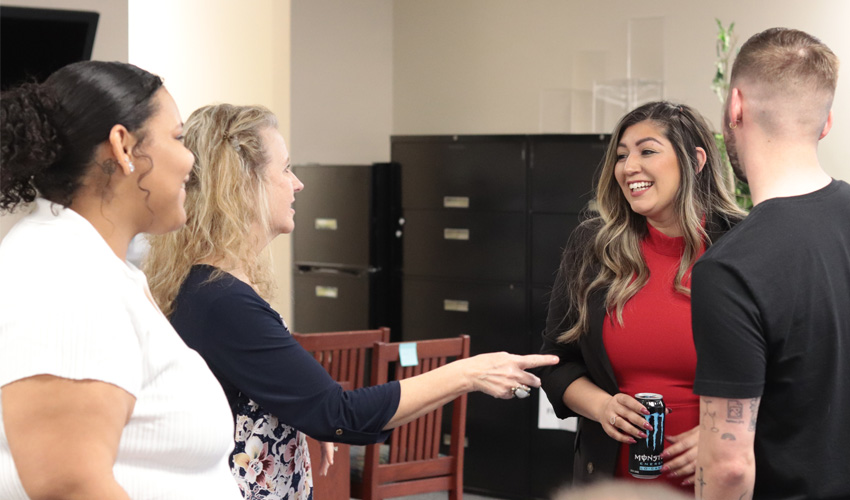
(70,308)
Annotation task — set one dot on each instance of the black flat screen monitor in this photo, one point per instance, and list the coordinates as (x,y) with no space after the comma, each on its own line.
(36,42)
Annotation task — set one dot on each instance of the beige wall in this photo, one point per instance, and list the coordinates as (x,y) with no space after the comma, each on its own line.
(480,66)
(220,51)
(341,81)
(110,44)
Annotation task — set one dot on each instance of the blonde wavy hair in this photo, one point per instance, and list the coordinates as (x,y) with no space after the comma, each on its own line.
(225,199)
(613,257)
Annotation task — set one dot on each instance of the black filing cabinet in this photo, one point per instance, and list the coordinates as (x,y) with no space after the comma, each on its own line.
(563,172)
(345,251)
(484,222)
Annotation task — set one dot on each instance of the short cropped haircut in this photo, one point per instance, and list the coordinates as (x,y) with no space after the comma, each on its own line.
(787,58)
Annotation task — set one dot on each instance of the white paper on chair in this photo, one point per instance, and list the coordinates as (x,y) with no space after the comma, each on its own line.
(546,418)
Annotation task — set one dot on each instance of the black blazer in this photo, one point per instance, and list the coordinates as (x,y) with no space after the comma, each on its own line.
(595,452)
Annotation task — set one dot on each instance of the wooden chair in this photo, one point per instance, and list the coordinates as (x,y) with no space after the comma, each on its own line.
(414,464)
(344,356)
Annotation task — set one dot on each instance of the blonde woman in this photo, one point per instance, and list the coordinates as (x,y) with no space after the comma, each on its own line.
(619,314)
(212,280)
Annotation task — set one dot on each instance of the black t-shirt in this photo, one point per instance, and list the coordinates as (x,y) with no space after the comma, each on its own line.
(771,319)
(250,350)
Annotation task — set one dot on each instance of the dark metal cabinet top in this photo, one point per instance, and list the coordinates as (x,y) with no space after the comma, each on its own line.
(462,172)
(564,169)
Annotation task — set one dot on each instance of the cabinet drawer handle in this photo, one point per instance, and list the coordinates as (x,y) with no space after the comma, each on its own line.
(450,233)
(326,224)
(328,292)
(456,305)
(455,201)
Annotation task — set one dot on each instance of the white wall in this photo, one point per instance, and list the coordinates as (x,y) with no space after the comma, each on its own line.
(341,81)
(110,44)
(479,66)
(220,51)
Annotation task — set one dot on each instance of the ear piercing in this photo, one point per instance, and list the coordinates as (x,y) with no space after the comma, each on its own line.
(130,164)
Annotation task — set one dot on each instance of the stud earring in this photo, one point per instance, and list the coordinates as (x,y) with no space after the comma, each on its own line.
(130,164)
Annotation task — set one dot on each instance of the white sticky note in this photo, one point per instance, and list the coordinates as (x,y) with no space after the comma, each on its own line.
(546,418)
(407,354)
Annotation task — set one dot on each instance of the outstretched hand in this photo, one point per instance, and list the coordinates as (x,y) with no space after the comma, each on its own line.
(499,373)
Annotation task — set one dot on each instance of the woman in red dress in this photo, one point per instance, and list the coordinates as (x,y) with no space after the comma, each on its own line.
(620,314)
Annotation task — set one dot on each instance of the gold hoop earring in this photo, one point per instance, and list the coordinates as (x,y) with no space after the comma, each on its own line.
(733,125)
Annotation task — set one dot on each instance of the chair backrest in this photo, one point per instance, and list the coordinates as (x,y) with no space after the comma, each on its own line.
(343,354)
(414,464)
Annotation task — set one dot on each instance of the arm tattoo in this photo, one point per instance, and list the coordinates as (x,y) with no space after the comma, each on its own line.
(742,496)
(754,408)
(729,436)
(735,411)
(709,414)
(701,483)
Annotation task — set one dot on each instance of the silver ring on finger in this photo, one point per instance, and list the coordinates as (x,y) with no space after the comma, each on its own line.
(521,391)
(613,420)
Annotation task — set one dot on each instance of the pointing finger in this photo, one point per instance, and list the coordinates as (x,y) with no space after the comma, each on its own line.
(535,360)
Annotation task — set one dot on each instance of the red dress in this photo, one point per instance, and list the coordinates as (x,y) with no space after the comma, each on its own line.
(654,349)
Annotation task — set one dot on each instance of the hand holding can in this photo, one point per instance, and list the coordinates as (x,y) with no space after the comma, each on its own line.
(645,461)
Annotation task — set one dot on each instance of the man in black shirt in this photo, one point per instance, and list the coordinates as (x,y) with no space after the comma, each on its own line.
(771,300)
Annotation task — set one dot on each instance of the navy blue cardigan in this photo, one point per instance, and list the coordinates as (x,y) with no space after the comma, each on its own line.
(250,350)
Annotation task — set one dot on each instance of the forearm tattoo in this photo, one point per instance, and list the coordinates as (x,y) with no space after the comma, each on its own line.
(754,410)
(734,411)
(709,414)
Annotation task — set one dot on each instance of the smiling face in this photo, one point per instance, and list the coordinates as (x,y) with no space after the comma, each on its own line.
(280,182)
(163,183)
(647,172)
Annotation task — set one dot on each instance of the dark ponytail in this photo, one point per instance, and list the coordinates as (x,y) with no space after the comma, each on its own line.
(50,131)
(29,142)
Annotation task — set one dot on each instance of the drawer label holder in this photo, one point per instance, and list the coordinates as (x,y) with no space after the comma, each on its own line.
(458,234)
(456,305)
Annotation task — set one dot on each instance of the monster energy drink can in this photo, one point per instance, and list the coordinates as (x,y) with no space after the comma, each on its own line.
(645,460)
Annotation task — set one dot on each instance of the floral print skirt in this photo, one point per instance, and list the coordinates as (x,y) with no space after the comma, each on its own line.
(270,460)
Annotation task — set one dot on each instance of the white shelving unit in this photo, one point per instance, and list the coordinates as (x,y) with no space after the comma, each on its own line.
(623,95)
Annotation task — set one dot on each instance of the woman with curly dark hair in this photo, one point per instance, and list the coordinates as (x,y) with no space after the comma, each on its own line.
(620,310)
(100,398)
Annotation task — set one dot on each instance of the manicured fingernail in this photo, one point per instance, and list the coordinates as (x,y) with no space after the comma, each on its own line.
(666,468)
(642,435)
(664,454)
(647,426)
(687,482)
(632,441)
(644,411)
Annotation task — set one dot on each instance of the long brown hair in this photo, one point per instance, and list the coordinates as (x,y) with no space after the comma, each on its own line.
(613,257)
